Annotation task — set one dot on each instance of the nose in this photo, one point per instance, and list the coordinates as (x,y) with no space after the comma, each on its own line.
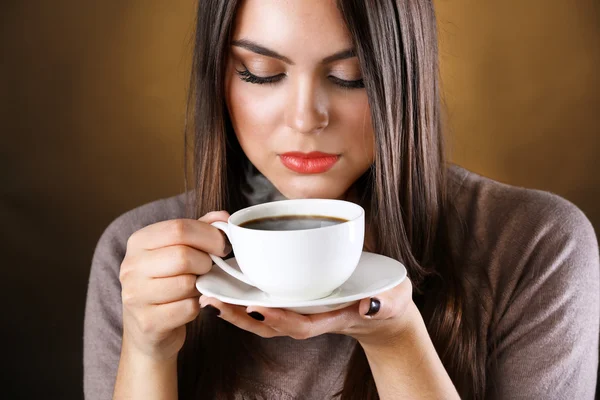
(307,110)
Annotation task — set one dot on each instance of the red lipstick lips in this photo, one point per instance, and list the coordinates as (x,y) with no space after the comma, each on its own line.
(308,163)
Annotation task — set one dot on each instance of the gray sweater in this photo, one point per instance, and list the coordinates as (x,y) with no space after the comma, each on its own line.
(532,255)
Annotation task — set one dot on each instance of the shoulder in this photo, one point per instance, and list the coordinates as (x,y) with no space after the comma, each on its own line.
(522,242)
(532,258)
(114,237)
(531,216)
(533,250)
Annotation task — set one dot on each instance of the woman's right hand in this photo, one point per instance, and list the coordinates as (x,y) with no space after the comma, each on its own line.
(158,280)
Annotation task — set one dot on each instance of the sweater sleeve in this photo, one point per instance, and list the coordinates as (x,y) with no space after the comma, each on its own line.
(103,325)
(545,339)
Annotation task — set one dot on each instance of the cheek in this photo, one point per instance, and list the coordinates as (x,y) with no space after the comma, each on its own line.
(255,113)
(356,117)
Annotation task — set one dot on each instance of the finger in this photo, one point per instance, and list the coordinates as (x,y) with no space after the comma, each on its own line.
(214,216)
(169,290)
(237,316)
(302,327)
(172,261)
(386,305)
(173,315)
(187,232)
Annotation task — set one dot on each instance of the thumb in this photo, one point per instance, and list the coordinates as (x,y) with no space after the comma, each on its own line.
(388,304)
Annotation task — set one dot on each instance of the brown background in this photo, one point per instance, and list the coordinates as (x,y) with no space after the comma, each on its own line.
(91,103)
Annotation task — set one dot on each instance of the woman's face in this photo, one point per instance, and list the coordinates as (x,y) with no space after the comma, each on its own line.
(296,99)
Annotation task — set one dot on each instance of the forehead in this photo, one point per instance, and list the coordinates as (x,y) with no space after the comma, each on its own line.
(295,28)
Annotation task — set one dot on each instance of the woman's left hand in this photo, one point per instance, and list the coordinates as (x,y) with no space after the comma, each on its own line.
(378,320)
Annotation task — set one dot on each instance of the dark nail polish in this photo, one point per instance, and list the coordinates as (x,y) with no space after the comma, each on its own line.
(374,307)
(212,310)
(257,316)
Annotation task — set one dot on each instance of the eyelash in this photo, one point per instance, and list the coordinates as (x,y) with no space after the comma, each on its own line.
(249,77)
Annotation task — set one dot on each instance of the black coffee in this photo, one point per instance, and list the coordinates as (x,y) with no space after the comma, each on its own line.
(292,222)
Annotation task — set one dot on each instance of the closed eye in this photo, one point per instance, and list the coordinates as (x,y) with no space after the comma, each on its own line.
(356,84)
(248,76)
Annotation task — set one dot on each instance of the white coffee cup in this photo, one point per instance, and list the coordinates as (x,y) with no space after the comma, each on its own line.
(296,264)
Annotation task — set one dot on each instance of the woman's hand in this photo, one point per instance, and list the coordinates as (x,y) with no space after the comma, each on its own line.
(158,278)
(372,321)
(389,327)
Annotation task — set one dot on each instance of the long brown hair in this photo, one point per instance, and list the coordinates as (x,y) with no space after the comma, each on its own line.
(405,190)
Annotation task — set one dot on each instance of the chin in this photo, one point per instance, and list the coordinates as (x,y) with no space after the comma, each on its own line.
(312,189)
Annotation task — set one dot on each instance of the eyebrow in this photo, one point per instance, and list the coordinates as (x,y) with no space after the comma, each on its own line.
(263,51)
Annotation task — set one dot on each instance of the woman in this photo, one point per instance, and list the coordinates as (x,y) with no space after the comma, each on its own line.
(503,297)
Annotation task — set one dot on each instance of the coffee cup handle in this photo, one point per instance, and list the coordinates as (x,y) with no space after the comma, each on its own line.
(222,264)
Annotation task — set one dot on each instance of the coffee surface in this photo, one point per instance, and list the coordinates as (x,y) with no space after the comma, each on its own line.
(292,222)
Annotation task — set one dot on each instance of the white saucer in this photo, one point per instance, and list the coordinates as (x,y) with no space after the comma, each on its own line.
(374,274)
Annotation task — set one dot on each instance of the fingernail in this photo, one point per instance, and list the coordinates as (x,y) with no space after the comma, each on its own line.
(373,307)
(212,310)
(257,316)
